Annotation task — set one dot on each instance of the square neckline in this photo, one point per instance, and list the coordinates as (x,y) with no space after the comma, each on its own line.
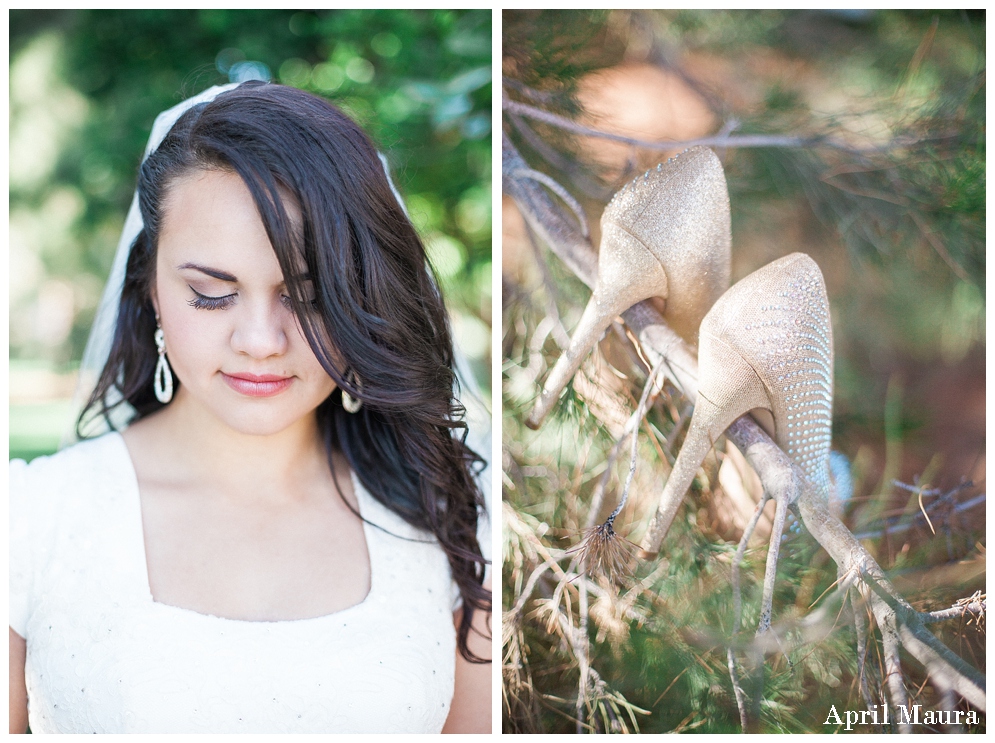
(145,586)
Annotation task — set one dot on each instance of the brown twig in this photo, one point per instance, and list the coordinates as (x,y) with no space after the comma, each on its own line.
(560,191)
(976,605)
(905,526)
(725,140)
(894,680)
(747,721)
(859,609)
(578,177)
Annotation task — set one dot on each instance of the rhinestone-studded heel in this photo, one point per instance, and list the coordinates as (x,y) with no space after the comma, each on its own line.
(766,345)
(665,234)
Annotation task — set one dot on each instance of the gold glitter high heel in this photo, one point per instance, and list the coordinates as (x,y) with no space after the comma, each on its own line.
(665,234)
(766,345)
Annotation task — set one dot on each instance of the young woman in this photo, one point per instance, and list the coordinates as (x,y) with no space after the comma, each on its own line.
(284,536)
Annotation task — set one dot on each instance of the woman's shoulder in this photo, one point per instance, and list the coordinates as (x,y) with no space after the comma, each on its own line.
(56,502)
(66,475)
(95,452)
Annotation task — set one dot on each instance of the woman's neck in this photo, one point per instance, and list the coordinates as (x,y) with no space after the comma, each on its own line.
(183,443)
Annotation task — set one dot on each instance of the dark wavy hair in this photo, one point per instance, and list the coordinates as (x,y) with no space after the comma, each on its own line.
(375,302)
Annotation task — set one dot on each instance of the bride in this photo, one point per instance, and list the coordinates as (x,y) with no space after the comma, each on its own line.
(284,536)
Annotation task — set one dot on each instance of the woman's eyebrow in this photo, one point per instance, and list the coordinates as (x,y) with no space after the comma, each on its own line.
(212,272)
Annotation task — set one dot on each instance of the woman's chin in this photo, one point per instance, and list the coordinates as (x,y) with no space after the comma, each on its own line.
(263,423)
(246,418)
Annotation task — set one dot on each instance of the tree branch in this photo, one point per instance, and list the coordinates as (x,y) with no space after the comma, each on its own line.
(722,140)
(917,520)
(972,605)
(747,721)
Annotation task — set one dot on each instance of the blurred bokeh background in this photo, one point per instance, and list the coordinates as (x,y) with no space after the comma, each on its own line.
(894,215)
(85,86)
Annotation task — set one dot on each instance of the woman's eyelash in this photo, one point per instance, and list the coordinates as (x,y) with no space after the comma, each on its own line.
(306,302)
(203,302)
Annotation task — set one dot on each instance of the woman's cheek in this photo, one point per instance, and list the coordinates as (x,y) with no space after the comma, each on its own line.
(195,348)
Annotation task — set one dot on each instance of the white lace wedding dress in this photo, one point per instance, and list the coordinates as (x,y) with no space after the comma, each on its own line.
(102,656)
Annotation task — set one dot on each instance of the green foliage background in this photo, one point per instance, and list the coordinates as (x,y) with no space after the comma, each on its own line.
(87,84)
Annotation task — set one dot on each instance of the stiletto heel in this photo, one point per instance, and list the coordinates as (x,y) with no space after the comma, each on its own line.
(665,234)
(765,345)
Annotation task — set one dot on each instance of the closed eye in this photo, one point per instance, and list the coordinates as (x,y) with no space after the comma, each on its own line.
(306,301)
(204,302)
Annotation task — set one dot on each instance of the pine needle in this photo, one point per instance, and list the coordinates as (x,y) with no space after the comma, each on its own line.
(605,552)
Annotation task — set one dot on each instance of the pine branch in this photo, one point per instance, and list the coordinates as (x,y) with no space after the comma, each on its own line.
(721,140)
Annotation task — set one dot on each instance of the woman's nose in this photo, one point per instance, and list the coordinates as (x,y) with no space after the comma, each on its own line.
(260,330)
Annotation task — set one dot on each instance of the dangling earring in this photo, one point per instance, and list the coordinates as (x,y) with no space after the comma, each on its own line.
(350,403)
(163,381)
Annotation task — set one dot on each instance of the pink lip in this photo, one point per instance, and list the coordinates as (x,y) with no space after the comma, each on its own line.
(257,385)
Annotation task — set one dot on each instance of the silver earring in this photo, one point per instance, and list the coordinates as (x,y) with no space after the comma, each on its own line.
(163,382)
(350,403)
